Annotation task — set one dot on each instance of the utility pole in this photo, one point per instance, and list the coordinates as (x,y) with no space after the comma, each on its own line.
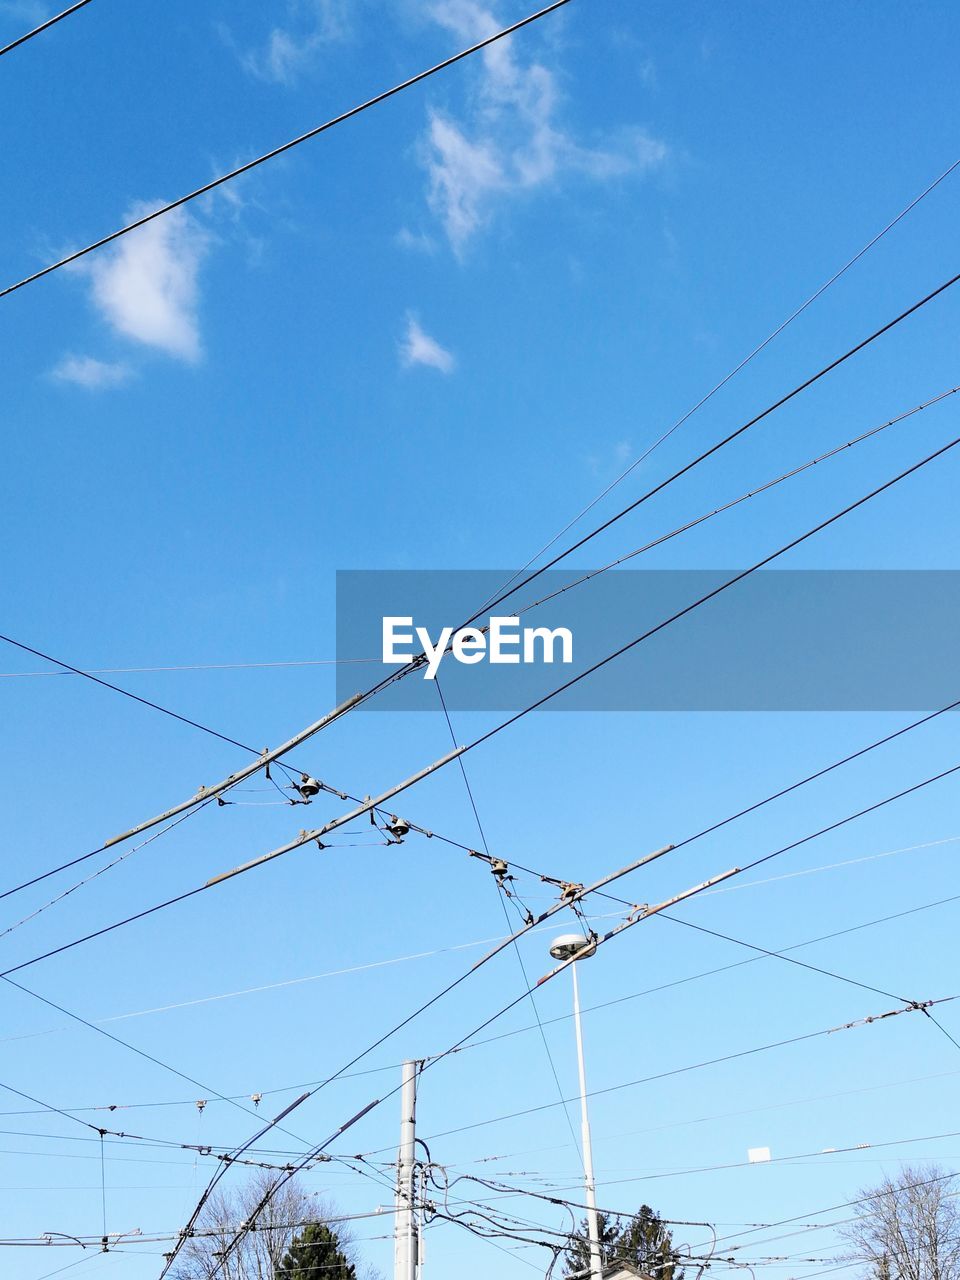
(406,1240)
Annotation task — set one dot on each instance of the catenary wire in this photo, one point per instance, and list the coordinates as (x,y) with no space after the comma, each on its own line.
(718,1168)
(758,860)
(696,1066)
(44,26)
(307,837)
(487,941)
(463,946)
(734,502)
(154,835)
(306,1159)
(413,665)
(710,595)
(461,978)
(815,1213)
(142,1053)
(217,182)
(193,666)
(559,1018)
(638,461)
(686,468)
(631,922)
(693,978)
(777,955)
(68,668)
(853,506)
(516,945)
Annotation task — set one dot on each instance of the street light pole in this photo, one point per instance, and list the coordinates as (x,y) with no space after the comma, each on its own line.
(564,948)
(593,1224)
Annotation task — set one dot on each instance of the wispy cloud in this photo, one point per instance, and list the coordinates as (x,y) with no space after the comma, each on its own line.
(291,49)
(418,241)
(417,347)
(146,285)
(27,10)
(94,375)
(610,460)
(515,141)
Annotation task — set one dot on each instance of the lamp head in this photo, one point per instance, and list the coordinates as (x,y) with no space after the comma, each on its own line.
(572,944)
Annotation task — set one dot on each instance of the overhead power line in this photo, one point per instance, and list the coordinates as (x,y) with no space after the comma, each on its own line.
(601,884)
(755,492)
(638,461)
(307,837)
(913,1007)
(501,891)
(125,1044)
(632,920)
(222,1167)
(635,918)
(285,147)
(510,1190)
(605,1004)
(832,1208)
(726,440)
(695,977)
(126,693)
(724,586)
(44,26)
(787,959)
(193,666)
(317,1150)
(265,758)
(415,663)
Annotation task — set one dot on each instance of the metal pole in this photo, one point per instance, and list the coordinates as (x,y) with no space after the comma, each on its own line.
(405,1257)
(593,1225)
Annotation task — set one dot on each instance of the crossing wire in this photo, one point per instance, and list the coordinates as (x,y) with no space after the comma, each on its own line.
(67,667)
(641,458)
(284,147)
(414,664)
(393,1066)
(307,837)
(44,26)
(516,946)
(913,1007)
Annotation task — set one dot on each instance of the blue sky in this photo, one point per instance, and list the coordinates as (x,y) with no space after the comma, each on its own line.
(427,340)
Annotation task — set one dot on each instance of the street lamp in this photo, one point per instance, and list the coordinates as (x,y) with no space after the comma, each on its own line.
(566,947)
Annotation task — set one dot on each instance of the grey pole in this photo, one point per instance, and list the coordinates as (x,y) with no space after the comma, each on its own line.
(405,1258)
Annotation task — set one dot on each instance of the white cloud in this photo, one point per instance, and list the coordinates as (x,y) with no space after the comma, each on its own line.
(417,347)
(27,10)
(290,49)
(87,372)
(415,241)
(610,460)
(463,175)
(516,141)
(145,286)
